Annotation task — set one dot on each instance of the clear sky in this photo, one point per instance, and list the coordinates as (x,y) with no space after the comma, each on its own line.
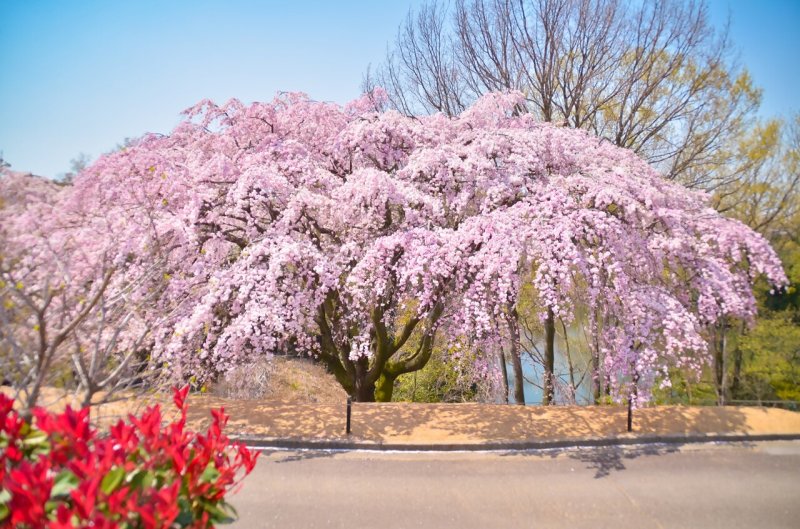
(80,76)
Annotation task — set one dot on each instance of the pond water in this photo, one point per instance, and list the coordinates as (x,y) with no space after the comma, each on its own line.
(532,371)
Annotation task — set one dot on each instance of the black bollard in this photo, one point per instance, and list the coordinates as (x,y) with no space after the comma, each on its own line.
(349,411)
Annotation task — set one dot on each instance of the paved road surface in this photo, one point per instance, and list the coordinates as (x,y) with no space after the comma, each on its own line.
(705,486)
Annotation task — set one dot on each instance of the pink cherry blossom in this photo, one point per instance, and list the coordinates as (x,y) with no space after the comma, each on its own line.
(299,226)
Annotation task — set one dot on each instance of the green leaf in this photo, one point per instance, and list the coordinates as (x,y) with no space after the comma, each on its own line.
(221,513)
(35,437)
(24,430)
(112,480)
(233,513)
(65,481)
(4,511)
(210,474)
(4,496)
(135,478)
(149,480)
(185,518)
(141,479)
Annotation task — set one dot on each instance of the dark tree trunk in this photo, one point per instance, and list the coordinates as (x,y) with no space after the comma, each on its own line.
(736,379)
(633,394)
(368,379)
(738,360)
(364,390)
(720,362)
(519,388)
(597,376)
(365,393)
(516,361)
(597,385)
(548,395)
(504,372)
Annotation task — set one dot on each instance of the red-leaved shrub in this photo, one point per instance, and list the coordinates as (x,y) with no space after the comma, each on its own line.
(58,472)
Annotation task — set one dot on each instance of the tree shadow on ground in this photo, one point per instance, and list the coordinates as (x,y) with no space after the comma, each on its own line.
(290,456)
(607,459)
(602,459)
(695,420)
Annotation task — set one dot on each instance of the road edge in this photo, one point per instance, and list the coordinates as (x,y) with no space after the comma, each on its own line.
(267,443)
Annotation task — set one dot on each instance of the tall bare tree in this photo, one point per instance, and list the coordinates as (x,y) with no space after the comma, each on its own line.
(655,77)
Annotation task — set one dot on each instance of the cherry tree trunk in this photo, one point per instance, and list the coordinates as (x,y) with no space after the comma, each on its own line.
(363,385)
(365,392)
(720,363)
(504,372)
(548,395)
(384,388)
(597,381)
(519,388)
(516,361)
(738,360)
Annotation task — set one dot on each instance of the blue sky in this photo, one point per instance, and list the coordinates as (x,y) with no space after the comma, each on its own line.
(81,76)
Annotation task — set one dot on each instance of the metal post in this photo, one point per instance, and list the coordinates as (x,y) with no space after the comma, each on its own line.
(349,412)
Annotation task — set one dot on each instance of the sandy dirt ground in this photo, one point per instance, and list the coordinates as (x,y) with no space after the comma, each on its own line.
(482,423)
(456,423)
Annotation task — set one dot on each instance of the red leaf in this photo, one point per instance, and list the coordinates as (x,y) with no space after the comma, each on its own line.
(179,397)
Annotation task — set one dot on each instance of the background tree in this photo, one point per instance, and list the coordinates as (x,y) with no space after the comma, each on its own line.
(653,77)
(760,363)
(76,165)
(72,295)
(766,197)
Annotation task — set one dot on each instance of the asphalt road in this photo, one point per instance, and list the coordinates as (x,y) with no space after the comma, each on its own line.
(753,485)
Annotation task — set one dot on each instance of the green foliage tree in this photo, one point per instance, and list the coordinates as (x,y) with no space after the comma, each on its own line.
(444,379)
(763,191)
